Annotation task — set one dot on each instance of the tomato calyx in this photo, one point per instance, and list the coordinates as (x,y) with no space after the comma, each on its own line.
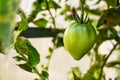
(82,20)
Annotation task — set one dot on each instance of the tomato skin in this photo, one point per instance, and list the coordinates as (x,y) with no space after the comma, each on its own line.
(79,39)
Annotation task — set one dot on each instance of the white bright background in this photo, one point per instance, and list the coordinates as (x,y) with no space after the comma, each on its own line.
(61,61)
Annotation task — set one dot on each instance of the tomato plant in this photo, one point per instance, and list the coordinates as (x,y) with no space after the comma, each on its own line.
(79,38)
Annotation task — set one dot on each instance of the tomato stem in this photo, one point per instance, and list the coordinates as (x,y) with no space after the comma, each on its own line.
(82,9)
(84,18)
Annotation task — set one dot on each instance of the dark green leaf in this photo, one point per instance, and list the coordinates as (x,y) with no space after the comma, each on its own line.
(37,7)
(44,14)
(112,33)
(50,49)
(68,17)
(53,4)
(111,3)
(24,47)
(41,22)
(107,34)
(75,76)
(48,57)
(18,58)
(109,18)
(25,67)
(93,11)
(37,79)
(90,73)
(76,71)
(45,74)
(33,56)
(59,42)
(113,64)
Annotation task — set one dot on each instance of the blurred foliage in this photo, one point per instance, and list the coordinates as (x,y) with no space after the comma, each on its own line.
(8,9)
(41,23)
(106,20)
(74,74)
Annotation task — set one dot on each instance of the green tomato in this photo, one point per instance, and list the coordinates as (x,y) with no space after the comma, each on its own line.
(79,39)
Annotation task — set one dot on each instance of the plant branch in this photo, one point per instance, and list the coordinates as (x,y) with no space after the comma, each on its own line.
(47,5)
(96,51)
(37,72)
(106,60)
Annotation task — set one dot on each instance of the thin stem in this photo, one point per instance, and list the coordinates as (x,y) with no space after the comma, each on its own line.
(96,50)
(106,60)
(82,14)
(50,13)
(38,73)
(51,53)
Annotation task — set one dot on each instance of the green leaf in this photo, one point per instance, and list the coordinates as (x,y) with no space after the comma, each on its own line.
(36,79)
(41,22)
(45,74)
(25,48)
(18,58)
(25,67)
(66,9)
(74,74)
(93,11)
(90,73)
(53,4)
(21,46)
(33,56)
(59,42)
(113,64)
(48,57)
(109,18)
(50,49)
(68,17)
(23,24)
(111,2)
(76,71)
(37,7)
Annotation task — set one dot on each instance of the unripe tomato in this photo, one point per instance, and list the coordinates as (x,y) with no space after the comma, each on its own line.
(79,39)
